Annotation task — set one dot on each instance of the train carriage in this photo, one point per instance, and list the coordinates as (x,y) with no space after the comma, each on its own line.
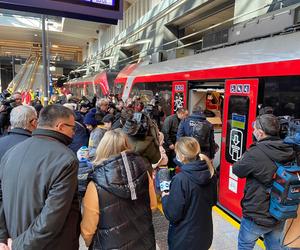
(100,85)
(250,75)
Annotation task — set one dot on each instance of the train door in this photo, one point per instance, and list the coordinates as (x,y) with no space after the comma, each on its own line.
(179,95)
(209,96)
(239,112)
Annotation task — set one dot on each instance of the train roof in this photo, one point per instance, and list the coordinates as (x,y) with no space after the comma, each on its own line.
(278,48)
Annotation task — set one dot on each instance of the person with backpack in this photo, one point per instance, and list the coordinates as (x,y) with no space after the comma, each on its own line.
(202,130)
(258,166)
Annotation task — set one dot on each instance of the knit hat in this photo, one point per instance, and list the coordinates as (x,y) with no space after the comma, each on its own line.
(89,119)
(108,118)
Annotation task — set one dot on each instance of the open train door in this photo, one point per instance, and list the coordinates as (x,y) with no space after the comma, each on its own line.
(239,112)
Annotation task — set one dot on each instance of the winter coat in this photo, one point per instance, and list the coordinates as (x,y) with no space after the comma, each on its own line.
(84,170)
(81,135)
(15,136)
(125,222)
(145,147)
(258,167)
(95,138)
(169,130)
(40,208)
(186,129)
(188,207)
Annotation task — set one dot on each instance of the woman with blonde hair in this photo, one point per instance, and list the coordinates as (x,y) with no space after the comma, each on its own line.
(188,204)
(116,206)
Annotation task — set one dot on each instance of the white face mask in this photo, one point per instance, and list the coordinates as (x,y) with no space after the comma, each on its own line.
(257,137)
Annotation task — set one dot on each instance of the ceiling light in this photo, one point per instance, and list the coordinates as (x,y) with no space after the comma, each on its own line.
(35,34)
(54,46)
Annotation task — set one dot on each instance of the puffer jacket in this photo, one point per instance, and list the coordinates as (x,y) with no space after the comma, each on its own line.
(125,216)
(257,165)
(40,208)
(188,207)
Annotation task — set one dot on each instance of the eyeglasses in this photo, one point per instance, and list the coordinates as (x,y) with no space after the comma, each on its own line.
(34,119)
(70,126)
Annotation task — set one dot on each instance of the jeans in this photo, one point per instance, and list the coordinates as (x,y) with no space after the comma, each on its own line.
(250,232)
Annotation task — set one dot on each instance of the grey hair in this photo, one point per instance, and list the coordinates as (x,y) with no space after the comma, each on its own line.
(102,101)
(21,116)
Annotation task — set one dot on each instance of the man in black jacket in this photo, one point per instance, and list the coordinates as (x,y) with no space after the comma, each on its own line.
(196,125)
(169,130)
(23,120)
(258,167)
(40,208)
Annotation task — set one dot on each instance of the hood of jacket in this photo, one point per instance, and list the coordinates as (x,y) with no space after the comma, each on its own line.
(111,175)
(276,149)
(197,171)
(199,116)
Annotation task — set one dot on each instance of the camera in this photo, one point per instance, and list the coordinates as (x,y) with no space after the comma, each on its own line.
(6,99)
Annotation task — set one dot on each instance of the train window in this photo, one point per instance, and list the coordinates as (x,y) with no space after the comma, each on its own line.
(236,136)
(89,90)
(118,89)
(283,94)
(160,91)
(98,90)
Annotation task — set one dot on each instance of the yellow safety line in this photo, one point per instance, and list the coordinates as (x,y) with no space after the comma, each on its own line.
(233,222)
(159,206)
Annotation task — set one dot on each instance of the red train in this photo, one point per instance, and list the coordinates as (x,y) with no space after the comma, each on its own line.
(99,84)
(264,72)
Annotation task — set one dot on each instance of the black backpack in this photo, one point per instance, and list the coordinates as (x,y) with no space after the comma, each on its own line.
(201,132)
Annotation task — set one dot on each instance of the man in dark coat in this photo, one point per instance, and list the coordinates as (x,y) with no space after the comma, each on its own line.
(258,166)
(169,129)
(40,208)
(202,130)
(23,120)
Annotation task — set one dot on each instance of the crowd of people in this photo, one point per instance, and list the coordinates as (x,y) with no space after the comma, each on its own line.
(98,168)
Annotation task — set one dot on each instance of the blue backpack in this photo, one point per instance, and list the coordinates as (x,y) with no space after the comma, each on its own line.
(285,190)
